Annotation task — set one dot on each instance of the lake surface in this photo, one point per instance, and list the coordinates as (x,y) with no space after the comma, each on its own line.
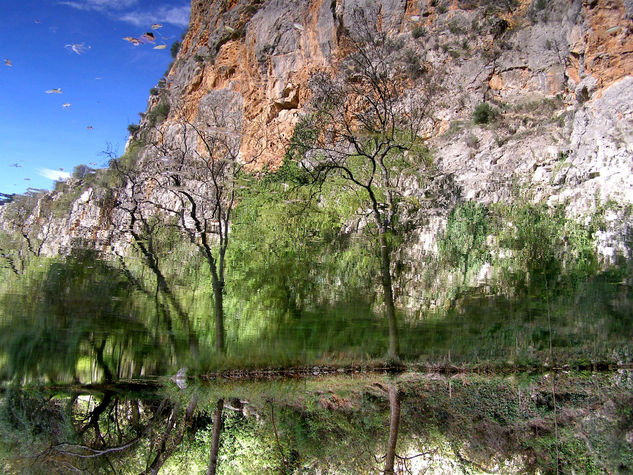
(465,423)
(488,383)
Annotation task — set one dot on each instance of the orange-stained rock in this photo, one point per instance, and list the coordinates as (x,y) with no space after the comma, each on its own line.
(609,42)
(496,83)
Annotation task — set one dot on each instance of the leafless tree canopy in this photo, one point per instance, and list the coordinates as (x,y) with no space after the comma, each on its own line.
(186,179)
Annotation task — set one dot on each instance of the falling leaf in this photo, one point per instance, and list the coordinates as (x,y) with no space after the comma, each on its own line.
(37,21)
(8,62)
(78,48)
(16,165)
(66,105)
(229,29)
(98,78)
(89,127)
(27,179)
(156,26)
(160,47)
(54,91)
(298,26)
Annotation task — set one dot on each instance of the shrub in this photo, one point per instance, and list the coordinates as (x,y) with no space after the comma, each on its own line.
(133,128)
(158,114)
(81,171)
(418,31)
(483,113)
(175,47)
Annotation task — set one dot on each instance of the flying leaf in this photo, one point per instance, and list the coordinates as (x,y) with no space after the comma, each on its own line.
(8,62)
(160,47)
(156,26)
(57,90)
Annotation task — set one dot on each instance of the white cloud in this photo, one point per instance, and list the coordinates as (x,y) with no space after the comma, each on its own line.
(99,5)
(53,174)
(178,16)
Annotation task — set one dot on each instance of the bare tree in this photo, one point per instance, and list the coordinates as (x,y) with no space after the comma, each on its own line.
(187,174)
(143,225)
(364,127)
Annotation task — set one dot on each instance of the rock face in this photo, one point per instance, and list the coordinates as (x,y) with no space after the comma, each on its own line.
(558,73)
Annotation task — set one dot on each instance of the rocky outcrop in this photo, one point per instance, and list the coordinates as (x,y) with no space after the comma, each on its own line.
(559,75)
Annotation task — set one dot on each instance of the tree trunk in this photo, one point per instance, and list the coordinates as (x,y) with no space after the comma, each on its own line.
(385,270)
(215,438)
(394,423)
(165,449)
(218,296)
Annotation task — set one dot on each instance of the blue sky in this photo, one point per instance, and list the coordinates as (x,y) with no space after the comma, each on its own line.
(106,85)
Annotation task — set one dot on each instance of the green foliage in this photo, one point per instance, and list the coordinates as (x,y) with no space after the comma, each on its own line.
(175,47)
(133,128)
(30,422)
(545,244)
(418,31)
(483,113)
(463,244)
(82,171)
(286,248)
(158,113)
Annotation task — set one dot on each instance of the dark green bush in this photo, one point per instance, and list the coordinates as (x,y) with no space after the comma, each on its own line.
(175,47)
(483,113)
(158,113)
(133,128)
(418,31)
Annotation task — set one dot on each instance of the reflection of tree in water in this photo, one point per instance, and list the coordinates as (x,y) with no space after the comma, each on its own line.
(94,433)
(338,425)
(86,308)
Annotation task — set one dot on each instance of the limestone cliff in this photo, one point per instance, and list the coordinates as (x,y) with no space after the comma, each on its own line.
(558,74)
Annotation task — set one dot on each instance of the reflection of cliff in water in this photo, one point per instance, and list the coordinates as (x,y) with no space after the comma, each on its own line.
(362,424)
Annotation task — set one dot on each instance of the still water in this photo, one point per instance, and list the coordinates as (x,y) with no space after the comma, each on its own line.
(491,382)
(364,423)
